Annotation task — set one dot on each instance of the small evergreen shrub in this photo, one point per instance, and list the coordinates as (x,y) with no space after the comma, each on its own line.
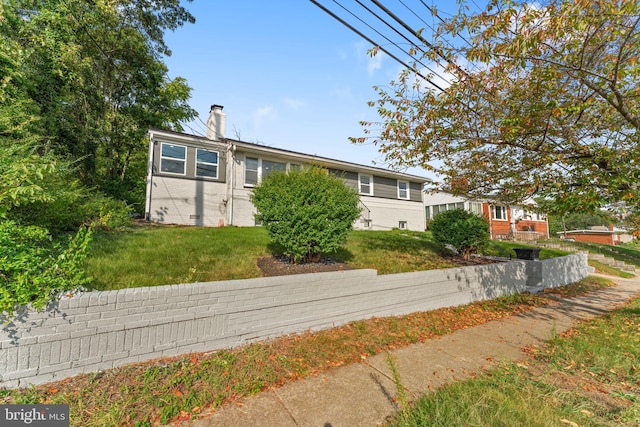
(464,231)
(307,212)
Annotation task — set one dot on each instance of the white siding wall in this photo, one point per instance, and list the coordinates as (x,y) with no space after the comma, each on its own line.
(187,201)
(431,199)
(387,214)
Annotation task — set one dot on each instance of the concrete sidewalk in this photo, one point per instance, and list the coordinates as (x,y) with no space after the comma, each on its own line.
(362,394)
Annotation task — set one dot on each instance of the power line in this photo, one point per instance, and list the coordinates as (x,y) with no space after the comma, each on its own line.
(346,24)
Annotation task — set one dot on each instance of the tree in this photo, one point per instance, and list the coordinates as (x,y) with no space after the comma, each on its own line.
(307,212)
(95,72)
(33,267)
(579,221)
(464,231)
(551,107)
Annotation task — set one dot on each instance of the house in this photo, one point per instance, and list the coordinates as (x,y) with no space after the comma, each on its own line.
(505,222)
(598,234)
(207,181)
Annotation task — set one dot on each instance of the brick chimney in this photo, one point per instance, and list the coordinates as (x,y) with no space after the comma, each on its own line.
(216,124)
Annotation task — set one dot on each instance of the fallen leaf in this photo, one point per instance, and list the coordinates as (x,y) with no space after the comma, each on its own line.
(571,423)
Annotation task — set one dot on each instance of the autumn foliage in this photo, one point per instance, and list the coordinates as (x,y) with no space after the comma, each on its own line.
(543,102)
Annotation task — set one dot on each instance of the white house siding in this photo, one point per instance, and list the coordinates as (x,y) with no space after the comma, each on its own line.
(243,209)
(187,201)
(441,198)
(387,214)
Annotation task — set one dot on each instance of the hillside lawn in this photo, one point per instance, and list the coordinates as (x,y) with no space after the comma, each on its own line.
(152,255)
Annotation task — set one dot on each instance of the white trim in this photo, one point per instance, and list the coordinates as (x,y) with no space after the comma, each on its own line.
(217,165)
(370,184)
(258,171)
(504,211)
(407,190)
(173,159)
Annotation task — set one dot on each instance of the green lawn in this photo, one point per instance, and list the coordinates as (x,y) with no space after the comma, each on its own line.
(589,377)
(164,255)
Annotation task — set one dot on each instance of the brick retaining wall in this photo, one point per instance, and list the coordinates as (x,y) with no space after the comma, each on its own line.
(100,330)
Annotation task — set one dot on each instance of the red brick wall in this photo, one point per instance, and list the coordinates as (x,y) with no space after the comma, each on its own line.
(538,226)
(605,239)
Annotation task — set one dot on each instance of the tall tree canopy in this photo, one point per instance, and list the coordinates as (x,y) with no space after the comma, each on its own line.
(94,71)
(544,100)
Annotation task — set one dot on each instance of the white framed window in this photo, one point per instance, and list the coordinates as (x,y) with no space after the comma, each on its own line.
(402,225)
(499,212)
(207,163)
(256,169)
(251,169)
(268,167)
(173,158)
(403,190)
(365,184)
(476,208)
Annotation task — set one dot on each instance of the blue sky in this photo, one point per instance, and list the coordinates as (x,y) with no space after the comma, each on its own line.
(288,75)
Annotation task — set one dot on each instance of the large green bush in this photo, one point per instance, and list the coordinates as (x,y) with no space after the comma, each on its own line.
(34,269)
(307,212)
(464,231)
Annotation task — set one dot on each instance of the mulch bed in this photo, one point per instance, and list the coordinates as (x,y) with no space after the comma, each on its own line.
(281,265)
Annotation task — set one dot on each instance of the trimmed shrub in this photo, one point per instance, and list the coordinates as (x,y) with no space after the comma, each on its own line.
(307,212)
(464,231)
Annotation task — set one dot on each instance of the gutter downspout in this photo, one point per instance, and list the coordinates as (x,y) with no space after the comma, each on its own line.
(147,207)
(232,173)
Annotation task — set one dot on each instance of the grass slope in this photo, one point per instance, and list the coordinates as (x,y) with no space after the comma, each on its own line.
(165,255)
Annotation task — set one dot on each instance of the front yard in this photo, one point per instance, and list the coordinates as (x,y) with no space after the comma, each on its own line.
(163,255)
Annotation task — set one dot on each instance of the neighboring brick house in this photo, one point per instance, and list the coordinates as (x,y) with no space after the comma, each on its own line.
(207,181)
(598,234)
(505,222)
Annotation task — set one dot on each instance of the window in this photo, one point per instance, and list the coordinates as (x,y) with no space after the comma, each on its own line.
(499,212)
(173,158)
(269,167)
(251,167)
(476,208)
(427,211)
(403,190)
(255,170)
(366,184)
(436,209)
(207,163)
(402,225)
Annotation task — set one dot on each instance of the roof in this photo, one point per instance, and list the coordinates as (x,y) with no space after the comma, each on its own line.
(587,232)
(310,158)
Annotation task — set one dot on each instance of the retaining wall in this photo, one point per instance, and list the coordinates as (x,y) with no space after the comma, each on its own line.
(99,330)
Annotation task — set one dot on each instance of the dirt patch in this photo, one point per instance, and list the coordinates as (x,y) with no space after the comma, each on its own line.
(474,260)
(282,266)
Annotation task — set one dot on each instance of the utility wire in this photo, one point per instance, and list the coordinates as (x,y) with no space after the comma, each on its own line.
(346,24)
(385,37)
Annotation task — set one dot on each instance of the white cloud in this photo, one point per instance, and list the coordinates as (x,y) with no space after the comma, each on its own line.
(263,114)
(373,63)
(294,104)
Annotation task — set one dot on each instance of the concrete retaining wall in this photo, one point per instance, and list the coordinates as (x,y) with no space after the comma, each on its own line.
(101,330)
